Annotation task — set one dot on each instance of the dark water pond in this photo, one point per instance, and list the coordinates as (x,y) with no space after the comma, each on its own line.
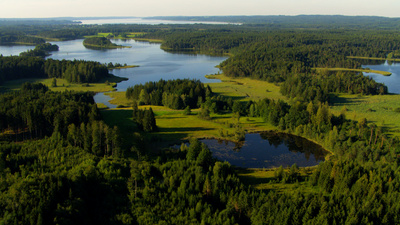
(268,150)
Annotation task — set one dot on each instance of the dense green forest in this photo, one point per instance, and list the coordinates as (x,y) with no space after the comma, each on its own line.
(78,173)
(175,94)
(60,163)
(77,71)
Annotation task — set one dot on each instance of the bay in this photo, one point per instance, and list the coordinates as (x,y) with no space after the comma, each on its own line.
(392,81)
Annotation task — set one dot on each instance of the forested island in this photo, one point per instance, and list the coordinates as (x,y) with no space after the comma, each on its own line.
(100,42)
(65,161)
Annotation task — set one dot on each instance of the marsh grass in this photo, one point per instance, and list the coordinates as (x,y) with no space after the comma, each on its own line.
(264,179)
(245,89)
(384,73)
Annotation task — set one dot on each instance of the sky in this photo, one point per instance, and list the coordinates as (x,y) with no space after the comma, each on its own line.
(143,8)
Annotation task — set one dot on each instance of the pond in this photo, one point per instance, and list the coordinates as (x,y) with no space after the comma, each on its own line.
(268,150)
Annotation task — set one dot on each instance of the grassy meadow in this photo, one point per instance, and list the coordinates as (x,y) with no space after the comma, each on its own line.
(174,126)
(264,179)
(383,110)
(245,89)
(103,85)
(366,70)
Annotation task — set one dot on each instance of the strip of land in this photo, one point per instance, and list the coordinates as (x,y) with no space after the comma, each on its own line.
(366,70)
(373,58)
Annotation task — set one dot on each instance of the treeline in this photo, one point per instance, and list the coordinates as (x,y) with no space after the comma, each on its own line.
(35,112)
(77,71)
(10,38)
(145,119)
(308,49)
(211,41)
(318,86)
(175,94)
(300,21)
(281,54)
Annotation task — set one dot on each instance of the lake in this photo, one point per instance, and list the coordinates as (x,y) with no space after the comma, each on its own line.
(154,63)
(393,81)
(267,150)
(8,50)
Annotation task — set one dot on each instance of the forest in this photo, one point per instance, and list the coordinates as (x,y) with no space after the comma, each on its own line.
(61,162)
(26,66)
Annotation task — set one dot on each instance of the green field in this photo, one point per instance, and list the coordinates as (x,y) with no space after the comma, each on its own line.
(379,109)
(111,35)
(264,179)
(245,89)
(384,73)
(64,85)
(119,98)
(372,58)
(175,127)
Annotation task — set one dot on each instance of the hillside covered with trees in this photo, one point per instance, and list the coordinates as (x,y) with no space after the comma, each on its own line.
(63,161)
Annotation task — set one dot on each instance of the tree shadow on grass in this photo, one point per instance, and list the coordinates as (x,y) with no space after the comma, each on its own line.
(182,129)
(340,101)
(251,180)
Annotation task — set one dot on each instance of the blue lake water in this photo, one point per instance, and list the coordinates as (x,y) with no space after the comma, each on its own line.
(154,63)
(393,81)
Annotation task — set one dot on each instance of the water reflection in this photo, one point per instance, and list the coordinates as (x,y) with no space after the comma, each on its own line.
(268,150)
(392,81)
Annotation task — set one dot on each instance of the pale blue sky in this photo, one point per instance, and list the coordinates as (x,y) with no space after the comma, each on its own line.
(141,8)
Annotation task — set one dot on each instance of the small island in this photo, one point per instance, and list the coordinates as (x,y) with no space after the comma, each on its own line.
(101,43)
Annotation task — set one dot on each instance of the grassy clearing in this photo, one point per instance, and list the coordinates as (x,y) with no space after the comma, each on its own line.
(242,89)
(175,127)
(366,70)
(64,85)
(149,40)
(264,179)
(127,36)
(245,89)
(379,109)
(119,98)
(372,58)
(101,106)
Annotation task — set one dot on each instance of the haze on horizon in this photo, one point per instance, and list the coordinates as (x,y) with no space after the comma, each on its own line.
(135,8)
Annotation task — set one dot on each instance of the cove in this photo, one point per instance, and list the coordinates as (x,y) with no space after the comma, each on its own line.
(268,150)
(392,81)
